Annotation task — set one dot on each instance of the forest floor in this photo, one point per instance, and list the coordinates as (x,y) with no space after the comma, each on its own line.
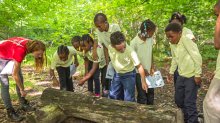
(35,83)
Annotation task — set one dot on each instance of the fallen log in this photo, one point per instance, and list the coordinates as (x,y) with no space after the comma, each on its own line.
(103,110)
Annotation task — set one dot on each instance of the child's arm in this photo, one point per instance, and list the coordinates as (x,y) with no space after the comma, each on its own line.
(86,63)
(76,60)
(90,73)
(152,70)
(193,51)
(173,66)
(106,54)
(53,77)
(173,62)
(94,50)
(143,80)
(217,34)
(52,67)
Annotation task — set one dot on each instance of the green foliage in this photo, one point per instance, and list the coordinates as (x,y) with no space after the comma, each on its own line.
(58,20)
(208,53)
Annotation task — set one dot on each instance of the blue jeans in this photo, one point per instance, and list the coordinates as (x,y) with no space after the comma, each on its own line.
(123,86)
(5,86)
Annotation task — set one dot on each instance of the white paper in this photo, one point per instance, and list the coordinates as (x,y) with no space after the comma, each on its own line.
(8,69)
(155,81)
(110,71)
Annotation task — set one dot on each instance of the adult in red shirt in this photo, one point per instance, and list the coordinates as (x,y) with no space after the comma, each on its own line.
(15,49)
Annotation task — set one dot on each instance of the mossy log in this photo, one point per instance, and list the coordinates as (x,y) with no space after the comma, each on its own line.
(104,110)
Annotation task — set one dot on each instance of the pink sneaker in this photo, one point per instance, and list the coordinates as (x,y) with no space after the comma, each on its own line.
(97,95)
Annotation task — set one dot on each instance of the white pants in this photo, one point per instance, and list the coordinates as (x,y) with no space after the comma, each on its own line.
(211,103)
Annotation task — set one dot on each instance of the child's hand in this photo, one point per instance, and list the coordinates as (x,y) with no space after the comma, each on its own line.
(198,80)
(169,78)
(81,82)
(23,93)
(146,72)
(55,82)
(76,63)
(144,86)
(152,70)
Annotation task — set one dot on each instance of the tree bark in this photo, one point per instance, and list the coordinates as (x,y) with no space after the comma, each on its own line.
(103,110)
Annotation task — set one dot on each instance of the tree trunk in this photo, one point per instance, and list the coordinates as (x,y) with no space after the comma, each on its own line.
(103,110)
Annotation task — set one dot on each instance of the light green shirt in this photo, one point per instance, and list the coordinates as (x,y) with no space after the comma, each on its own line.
(217,71)
(123,62)
(187,33)
(186,55)
(104,37)
(143,50)
(56,62)
(101,56)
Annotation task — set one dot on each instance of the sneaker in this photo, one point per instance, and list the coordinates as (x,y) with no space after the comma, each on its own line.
(97,95)
(13,116)
(105,93)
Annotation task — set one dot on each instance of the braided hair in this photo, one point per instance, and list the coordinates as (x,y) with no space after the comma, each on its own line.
(86,38)
(76,39)
(147,25)
(63,50)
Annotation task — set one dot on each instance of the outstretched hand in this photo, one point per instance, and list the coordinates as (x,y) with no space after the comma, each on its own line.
(81,82)
(144,86)
(198,80)
(23,93)
(170,78)
(55,82)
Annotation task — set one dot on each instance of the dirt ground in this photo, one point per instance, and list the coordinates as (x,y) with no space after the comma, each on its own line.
(163,96)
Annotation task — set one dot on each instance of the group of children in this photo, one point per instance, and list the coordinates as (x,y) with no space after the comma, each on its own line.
(107,48)
(133,63)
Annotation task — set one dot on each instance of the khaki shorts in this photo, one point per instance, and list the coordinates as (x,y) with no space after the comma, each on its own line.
(211,103)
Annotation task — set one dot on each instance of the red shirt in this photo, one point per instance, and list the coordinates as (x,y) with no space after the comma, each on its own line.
(13,49)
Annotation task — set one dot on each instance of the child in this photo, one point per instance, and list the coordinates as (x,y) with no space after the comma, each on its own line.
(180,19)
(62,59)
(76,43)
(187,57)
(87,44)
(124,59)
(142,45)
(15,49)
(104,31)
(211,104)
